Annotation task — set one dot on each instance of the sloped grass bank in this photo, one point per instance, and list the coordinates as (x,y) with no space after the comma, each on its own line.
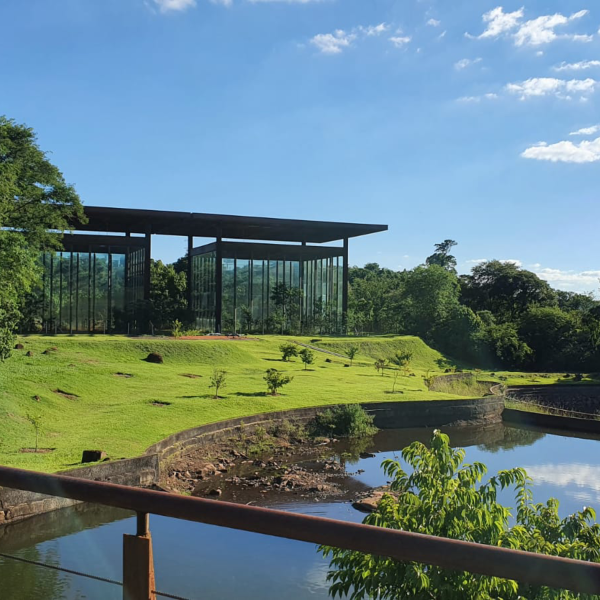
(99,393)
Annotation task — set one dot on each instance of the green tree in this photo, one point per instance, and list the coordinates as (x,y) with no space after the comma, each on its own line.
(442,257)
(505,289)
(36,421)
(276,380)
(287,351)
(351,353)
(307,357)
(554,336)
(36,207)
(430,296)
(444,497)
(168,294)
(380,365)
(218,380)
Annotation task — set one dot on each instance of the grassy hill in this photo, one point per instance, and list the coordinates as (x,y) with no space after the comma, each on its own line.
(99,393)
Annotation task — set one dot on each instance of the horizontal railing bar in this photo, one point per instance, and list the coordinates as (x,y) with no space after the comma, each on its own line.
(526,567)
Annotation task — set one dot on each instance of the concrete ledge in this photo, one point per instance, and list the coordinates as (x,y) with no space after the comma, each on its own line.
(522,417)
(137,472)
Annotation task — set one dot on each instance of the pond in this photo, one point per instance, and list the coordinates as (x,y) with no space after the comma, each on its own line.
(202,561)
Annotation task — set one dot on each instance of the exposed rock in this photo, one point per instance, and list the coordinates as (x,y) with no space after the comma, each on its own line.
(215,492)
(29,353)
(93,456)
(154,357)
(369,503)
(19,347)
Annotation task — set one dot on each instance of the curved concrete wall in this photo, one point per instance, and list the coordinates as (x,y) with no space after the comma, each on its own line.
(387,415)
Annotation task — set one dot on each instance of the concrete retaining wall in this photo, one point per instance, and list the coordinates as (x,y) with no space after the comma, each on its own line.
(573,424)
(137,472)
(388,415)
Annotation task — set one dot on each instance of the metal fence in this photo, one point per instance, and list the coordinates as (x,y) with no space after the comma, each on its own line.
(525,567)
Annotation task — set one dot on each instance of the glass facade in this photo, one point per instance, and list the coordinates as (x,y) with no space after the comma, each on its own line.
(204,293)
(268,288)
(96,290)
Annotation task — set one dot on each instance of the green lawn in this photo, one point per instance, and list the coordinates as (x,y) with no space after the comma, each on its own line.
(116,414)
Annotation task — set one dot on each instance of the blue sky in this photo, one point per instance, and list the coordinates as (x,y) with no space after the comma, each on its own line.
(470,120)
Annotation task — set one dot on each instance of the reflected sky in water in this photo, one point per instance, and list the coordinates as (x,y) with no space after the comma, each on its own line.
(202,561)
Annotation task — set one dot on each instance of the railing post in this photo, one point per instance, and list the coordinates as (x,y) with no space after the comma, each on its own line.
(138,563)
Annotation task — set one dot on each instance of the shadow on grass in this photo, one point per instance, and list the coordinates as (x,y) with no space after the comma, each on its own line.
(210,396)
(251,394)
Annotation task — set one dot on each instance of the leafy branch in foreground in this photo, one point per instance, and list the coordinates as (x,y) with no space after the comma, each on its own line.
(443,496)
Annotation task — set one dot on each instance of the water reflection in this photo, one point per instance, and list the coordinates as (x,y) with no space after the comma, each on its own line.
(195,560)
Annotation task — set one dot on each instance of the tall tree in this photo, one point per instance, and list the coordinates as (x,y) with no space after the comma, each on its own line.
(168,300)
(504,289)
(36,207)
(442,256)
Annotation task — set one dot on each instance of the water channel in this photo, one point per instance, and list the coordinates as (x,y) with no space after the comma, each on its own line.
(202,561)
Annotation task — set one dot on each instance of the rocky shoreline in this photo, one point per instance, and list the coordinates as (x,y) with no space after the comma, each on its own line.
(268,469)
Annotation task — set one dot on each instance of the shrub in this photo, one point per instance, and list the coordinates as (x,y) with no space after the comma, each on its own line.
(218,380)
(350,420)
(351,353)
(444,497)
(307,357)
(191,332)
(177,329)
(287,351)
(380,365)
(276,380)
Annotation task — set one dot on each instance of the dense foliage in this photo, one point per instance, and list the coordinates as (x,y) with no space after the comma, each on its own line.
(350,420)
(36,206)
(499,315)
(442,496)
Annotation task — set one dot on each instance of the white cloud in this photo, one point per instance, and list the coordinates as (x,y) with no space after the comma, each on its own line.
(578,281)
(579,474)
(541,30)
(434,23)
(174,5)
(476,261)
(372,30)
(586,130)
(466,62)
(489,96)
(333,43)
(285,1)
(336,42)
(586,151)
(499,22)
(550,86)
(400,41)
(222,2)
(442,35)
(578,66)
(533,32)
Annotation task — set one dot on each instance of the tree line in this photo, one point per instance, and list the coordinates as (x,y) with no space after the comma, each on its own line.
(498,315)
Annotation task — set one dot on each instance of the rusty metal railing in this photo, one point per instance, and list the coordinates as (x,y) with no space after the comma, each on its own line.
(525,567)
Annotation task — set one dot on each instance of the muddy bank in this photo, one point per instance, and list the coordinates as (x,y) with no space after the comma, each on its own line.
(265,468)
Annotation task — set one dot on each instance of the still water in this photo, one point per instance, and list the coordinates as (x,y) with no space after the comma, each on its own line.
(202,561)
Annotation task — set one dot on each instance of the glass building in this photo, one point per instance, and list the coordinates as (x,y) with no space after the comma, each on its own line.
(93,286)
(282,278)
(268,288)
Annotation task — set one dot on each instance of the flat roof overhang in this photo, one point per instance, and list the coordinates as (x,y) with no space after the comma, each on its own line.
(162,222)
